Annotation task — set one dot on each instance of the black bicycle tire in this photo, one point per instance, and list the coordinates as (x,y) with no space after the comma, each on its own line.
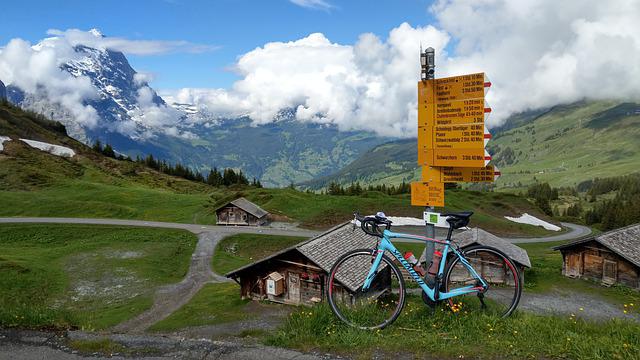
(451,264)
(394,268)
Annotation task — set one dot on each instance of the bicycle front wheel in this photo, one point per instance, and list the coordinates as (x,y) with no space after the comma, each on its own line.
(373,308)
(504,289)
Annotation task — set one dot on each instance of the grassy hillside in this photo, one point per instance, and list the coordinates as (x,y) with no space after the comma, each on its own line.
(85,275)
(389,163)
(35,183)
(563,146)
(570,144)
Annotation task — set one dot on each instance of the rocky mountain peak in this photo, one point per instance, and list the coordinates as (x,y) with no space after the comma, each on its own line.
(3,90)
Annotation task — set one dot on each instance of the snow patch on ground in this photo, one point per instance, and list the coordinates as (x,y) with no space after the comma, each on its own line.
(532,220)
(50,148)
(2,140)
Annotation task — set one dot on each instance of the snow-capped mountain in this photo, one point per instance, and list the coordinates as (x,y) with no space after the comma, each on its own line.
(122,98)
(3,91)
(136,121)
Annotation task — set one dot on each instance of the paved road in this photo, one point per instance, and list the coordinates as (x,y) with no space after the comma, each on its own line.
(194,228)
(575,232)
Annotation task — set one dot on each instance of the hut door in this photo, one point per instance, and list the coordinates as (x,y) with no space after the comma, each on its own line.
(573,267)
(609,272)
(293,287)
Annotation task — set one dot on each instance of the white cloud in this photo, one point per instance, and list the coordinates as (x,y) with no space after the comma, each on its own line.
(37,70)
(371,85)
(95,39)
(154,117)
(313,4)
(537,53)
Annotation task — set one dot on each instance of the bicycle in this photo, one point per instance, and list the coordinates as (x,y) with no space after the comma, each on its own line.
(361,282)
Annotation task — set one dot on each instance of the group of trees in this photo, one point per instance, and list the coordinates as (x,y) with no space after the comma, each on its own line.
(226,177)
(623,209)
(615,200)
(355,189)
(542,194)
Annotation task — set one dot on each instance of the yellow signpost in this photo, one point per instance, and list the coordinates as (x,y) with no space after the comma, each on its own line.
(471,86)
(460,174)
(451,136)
(427,194)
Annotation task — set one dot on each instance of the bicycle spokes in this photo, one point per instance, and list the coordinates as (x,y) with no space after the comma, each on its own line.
(498,291)
(370,308)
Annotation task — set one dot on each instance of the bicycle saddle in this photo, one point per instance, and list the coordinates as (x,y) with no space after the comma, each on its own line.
(458,220)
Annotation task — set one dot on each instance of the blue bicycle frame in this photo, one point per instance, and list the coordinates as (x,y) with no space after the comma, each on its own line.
(385,245)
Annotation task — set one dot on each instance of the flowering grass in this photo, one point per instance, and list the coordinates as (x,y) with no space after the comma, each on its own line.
(462,334)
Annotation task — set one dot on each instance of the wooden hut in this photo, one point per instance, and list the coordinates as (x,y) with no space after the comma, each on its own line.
(297,275)
(610,258)
(241,212)
(490,268)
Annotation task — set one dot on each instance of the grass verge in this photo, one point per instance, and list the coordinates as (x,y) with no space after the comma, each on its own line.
(86,276)
(213,304)
(462,335)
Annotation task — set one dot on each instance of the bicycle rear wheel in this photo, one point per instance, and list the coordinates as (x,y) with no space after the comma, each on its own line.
(375,308)
(498,271)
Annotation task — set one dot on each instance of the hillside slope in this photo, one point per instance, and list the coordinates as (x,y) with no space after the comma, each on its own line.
(570,144)
(390,162)
(36,183)
(563,145)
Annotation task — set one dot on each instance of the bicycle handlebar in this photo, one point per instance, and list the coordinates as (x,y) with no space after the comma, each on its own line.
(370,224)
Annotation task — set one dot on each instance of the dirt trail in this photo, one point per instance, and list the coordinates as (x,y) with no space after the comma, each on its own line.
(170,298)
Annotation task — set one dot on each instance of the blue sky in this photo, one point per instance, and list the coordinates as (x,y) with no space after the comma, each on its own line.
(234,26)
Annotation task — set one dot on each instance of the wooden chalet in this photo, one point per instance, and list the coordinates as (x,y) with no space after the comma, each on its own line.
(489,268)
(241,212)
(297,275)
(610,258)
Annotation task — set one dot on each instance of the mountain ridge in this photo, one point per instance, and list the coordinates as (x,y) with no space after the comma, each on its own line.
(556,145)
(188,134)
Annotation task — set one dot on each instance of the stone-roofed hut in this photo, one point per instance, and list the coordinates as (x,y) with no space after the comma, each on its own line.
(298,274)
(241,212)
(610,258)
(476,236)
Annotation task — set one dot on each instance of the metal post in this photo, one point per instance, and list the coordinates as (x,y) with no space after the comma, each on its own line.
(428,64)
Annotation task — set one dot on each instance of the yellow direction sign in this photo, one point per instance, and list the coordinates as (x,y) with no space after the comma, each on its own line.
(488,173)
(427,194)
(471,86)
(472,111)
(453,157)
(468,136)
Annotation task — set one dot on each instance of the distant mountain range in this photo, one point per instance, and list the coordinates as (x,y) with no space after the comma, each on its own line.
(282,152)
(562,145)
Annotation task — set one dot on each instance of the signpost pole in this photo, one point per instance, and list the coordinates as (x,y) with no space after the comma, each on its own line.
(428,64)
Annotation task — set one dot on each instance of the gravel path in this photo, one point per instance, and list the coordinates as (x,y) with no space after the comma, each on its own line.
(194,228)
(28,345)
(567,303)
(170,298)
